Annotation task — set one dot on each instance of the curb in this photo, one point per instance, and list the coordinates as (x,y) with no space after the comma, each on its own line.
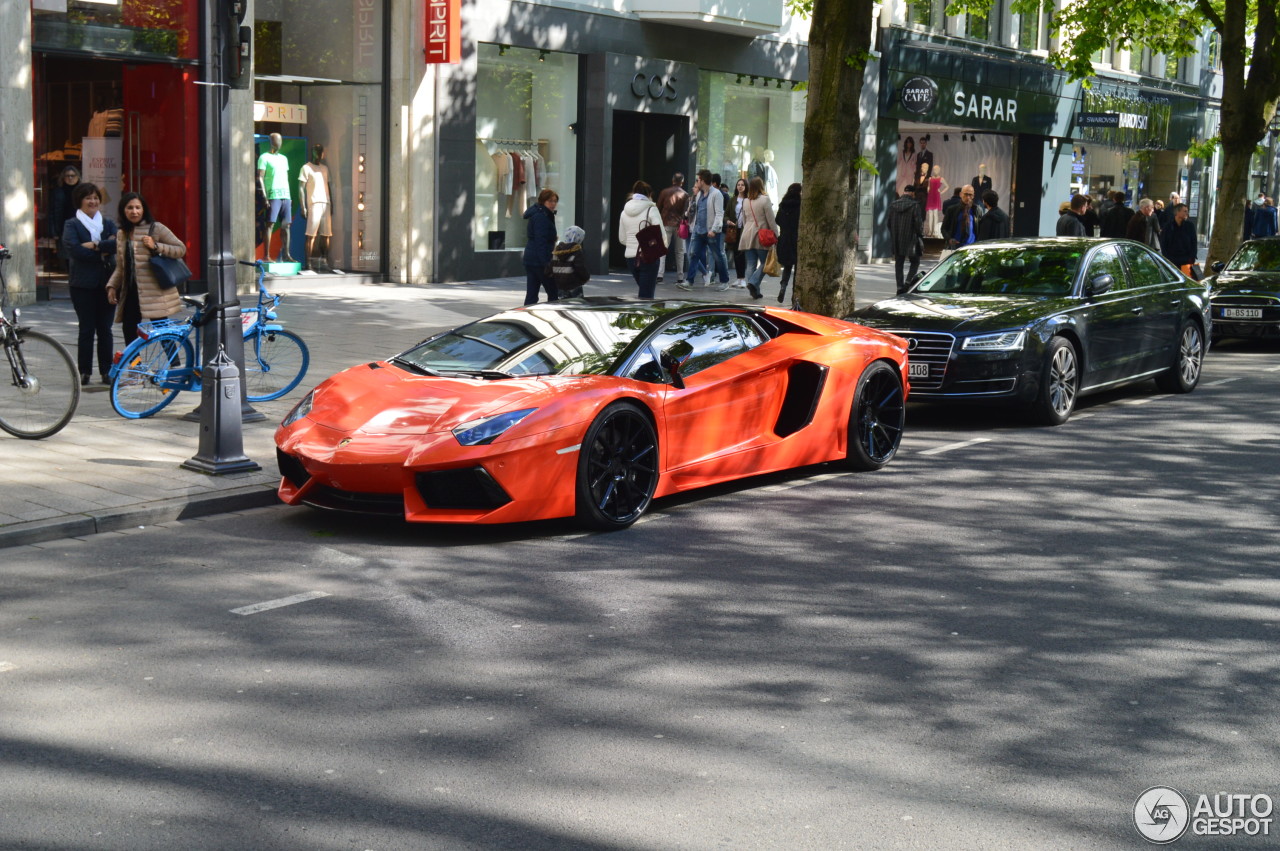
(150,513)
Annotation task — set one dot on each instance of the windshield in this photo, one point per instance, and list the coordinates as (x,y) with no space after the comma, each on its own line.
(1007,270)
(1256,257)
(550,341)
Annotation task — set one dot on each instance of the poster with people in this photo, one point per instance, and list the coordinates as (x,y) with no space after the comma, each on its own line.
(941,160)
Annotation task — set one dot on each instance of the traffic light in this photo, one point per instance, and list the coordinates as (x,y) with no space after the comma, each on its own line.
(237,45)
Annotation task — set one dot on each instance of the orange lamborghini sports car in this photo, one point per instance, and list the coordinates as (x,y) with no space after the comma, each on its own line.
(592,408)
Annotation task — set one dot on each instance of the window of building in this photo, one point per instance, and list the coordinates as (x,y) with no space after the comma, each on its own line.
(526,102)
(1034,30)
(759,132)
(1213,52)
(920,12)
(977,27)
(318,82)
(1173,68)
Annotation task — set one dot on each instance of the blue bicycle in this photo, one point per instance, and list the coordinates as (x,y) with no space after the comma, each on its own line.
(165,359)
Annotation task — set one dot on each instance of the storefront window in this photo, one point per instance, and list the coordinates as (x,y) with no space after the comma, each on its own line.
(526,106)
(318,82)
(747,130)
(143,29)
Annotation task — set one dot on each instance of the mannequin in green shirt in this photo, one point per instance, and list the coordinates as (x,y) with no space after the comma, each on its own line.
(273,180)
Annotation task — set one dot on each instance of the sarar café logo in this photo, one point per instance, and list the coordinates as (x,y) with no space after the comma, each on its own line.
(919,95)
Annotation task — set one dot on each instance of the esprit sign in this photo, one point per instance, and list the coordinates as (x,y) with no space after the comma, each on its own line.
(654,85)
(443,37)
(283,113)
(919,95)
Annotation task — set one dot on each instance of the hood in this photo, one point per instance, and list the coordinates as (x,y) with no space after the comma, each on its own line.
(1261,283)
(565,250)
(957,314)
(636,207)
(384,399)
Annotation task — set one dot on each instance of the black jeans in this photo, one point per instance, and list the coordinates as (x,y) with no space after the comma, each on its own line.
(95,315)
(897,269)
(535,281)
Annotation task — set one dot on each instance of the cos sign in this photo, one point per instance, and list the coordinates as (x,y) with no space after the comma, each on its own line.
(655,86)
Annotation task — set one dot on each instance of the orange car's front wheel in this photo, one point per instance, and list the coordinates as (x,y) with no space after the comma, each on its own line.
(617,468)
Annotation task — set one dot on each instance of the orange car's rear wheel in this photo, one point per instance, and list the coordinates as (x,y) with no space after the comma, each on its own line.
(617,468)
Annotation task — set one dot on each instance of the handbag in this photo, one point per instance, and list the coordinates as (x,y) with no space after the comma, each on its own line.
(1196,274)
(731,232)
(766,236)
(169,271)
(772,267)
(683,230)
(650,244)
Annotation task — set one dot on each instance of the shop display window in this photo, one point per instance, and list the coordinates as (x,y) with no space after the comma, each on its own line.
(141,29)
(526,106)
(318,82)
(747,130)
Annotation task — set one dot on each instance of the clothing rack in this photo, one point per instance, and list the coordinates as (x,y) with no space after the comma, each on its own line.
(525,142)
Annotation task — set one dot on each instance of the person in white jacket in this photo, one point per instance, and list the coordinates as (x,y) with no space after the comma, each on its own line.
(640,212)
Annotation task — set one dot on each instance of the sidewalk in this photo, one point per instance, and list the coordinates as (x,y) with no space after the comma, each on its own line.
(104,473)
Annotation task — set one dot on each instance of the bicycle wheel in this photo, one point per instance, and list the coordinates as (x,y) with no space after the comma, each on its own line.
(152,372)
(41,391)
(274,363)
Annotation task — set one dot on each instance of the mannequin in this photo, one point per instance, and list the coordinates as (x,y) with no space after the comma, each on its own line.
(770,175)
(757,166)
(981,183)
(273,180)
(315,192)
(933,205)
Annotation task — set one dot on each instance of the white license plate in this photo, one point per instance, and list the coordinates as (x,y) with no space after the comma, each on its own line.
(1242,313)
(918,370)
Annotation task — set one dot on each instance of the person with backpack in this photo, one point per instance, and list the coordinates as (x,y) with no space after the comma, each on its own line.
(567,268)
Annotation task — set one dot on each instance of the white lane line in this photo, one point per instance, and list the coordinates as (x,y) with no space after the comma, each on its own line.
(1141,401)
(275,604)
(1272,369)
(1083,416)
(937,450)
(1222,381)
(7,666)
(809,481)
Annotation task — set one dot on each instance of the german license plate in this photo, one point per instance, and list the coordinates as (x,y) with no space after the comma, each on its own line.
(1242,313)
(918,370)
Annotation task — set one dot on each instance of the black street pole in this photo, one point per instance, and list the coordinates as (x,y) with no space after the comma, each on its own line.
(221,437)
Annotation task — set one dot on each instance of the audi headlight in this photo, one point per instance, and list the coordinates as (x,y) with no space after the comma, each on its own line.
(485,431)
(300,410)
(1005,341)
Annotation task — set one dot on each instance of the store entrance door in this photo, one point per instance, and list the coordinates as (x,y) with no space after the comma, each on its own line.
(649,147)
(124,128)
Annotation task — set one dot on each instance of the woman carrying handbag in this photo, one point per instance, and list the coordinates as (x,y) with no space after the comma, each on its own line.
(638,214)
(757,233)
(135,287)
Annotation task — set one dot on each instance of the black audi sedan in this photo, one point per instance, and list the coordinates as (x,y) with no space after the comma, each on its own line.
(1041,322)
(1246,291)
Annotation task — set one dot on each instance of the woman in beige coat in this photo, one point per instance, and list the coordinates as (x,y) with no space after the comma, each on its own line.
(757,214)
(132,287)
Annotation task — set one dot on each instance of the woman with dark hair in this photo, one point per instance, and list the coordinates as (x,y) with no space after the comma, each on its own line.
(640,212)
(757,215)
(541,233)
(735,212)
(133,287)
(89,240)
(788,218)
(908,149)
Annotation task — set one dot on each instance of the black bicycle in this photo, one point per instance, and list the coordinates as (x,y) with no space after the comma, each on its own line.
(43,387)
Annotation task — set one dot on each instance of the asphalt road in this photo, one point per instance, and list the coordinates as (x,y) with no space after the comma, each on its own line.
(997,642)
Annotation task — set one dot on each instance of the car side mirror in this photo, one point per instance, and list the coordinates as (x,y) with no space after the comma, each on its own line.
(671,362)
(1219,266)
(1100,284)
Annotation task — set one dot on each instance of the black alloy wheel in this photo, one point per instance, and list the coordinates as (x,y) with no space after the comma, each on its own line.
(1059,384)
(617,468)
(1188,359)
(876,418)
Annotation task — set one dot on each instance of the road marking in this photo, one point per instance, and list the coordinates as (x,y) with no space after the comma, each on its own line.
(937,450)
(1144,400)
(1222,381)
(1272,369)
(1083,416)
(7,666)
(275,604)
(809,481)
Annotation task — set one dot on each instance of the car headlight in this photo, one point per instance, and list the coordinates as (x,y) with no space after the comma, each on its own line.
(300,410)
(485,431)
(1005,341)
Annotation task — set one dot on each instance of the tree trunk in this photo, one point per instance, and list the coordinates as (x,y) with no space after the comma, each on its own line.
(840,37)
(1248,105)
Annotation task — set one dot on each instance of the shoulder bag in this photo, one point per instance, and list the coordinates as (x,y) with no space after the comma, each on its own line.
(169,271)
(767,237)
(650,244)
